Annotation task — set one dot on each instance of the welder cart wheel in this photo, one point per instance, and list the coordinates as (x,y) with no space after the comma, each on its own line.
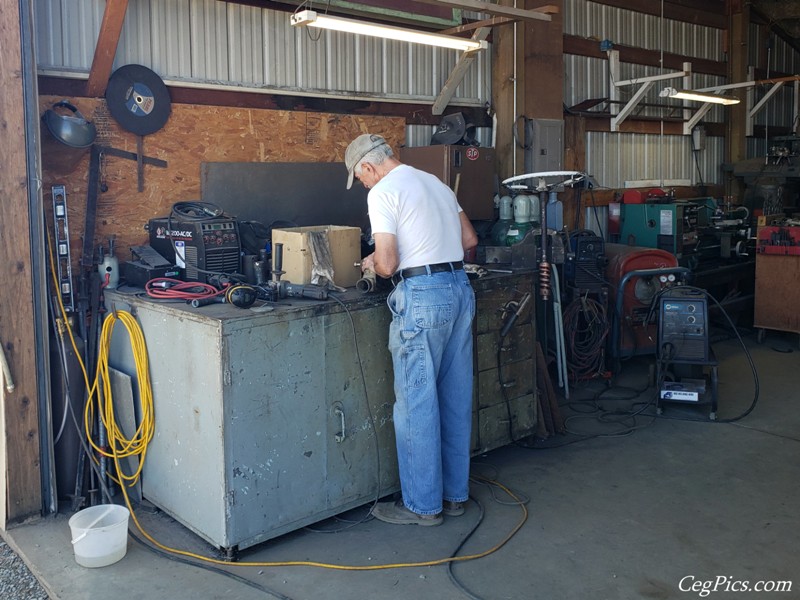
(762,333)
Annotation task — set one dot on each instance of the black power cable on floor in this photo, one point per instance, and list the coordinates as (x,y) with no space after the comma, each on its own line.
(610,416)
(624,421)
(517,501)
(212,569)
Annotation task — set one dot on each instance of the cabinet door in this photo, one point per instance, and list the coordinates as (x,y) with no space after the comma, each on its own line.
(360,430)
(275,428)
(777,293)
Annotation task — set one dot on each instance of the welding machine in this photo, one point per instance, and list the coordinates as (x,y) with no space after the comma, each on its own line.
(683,325)
(684,354)
(672,226)
(585,266)
(637,275)
(199,247)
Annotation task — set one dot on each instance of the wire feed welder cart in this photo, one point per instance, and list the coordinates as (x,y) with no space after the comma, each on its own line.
(686,368)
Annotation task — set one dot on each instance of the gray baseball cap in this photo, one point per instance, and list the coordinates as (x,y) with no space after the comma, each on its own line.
(357,150)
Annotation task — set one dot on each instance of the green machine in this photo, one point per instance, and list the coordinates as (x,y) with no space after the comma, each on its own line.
(674,226)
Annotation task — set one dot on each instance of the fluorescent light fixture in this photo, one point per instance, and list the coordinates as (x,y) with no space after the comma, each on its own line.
(699,96)
(310,18)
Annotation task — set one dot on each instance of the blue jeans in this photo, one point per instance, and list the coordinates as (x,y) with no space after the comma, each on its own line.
(430,339)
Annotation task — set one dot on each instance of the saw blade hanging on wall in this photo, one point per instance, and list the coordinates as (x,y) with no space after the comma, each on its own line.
(138,99)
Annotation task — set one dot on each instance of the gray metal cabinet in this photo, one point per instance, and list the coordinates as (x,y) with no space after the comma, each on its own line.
(263,425)
(505,381)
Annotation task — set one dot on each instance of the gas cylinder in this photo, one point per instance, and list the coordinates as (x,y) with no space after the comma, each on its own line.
(535,209)
(500,229)
(522,220)
(108,269)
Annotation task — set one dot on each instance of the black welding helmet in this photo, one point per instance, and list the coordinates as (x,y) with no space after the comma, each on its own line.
(454,129)
(69,126)
(66,137)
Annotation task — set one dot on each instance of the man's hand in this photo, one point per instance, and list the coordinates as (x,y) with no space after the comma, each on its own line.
(368,263)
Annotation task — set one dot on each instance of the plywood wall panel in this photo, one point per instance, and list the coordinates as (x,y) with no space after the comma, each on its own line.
(195,134)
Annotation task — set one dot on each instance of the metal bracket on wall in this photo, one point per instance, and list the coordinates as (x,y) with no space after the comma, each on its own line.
(753,107)
(138,156)
(638,96)
(63,258)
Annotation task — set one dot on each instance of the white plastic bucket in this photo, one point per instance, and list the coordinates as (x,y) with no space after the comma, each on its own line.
(100,535)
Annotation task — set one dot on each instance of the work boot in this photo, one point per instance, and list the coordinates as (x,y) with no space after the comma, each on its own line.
(397,513)
(453,509)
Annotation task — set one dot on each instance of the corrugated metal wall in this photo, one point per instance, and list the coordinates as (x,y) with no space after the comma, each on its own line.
(215,42)
(776,56)
(593,20)
(614,158)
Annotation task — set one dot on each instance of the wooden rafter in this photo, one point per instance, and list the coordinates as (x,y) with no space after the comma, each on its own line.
(457,75)
(106,48)
(541,13)
(477,25)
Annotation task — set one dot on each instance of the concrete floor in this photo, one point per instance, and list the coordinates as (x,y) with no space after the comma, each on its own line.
(612,517)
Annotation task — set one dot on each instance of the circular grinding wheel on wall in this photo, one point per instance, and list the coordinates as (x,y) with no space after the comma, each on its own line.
(138,99)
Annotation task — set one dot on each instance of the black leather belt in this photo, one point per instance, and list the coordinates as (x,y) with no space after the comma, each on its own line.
(426,270)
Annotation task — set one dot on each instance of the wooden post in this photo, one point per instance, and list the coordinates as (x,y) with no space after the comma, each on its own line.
(20,484)
(508,77)
(736,140)
(544,66)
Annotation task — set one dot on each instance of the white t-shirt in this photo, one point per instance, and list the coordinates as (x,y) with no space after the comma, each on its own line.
(422,212)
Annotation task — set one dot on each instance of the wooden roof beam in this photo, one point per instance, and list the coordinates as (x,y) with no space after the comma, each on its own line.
(457,75)
(106,48)
(541,13)
(477,25)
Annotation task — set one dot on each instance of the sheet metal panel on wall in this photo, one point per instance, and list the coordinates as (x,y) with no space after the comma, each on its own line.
(230,44)
(613,159)
(780,58)
(65,32)
(626,27)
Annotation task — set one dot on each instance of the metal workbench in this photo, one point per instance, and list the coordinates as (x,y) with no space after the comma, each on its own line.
(263,425)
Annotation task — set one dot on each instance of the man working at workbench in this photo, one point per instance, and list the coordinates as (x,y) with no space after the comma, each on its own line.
(421,235)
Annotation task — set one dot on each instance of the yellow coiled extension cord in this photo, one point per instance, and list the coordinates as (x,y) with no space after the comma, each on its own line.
(119,445)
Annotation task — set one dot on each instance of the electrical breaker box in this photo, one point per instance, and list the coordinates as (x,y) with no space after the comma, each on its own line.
(471,167)
(544,145)
(345,243)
